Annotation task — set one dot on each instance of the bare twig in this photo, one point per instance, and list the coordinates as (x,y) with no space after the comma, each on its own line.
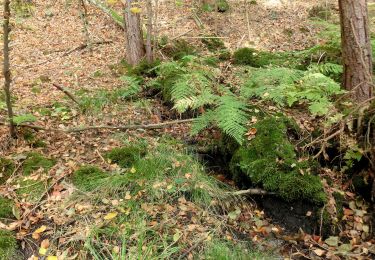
(66,92)
(87,128)
(251,192)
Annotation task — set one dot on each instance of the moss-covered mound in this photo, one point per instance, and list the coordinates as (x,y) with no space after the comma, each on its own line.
(88,178)
(6,206)
(8,245)
(36,161)
(270,161)
(126,156)
(213,44)
(178,49)
(6,169)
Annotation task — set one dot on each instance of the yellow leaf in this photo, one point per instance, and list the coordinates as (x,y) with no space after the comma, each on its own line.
(41,229)
(110,216)
(42,251)
(52,257)
(133,170)
(135,10)
(111,2)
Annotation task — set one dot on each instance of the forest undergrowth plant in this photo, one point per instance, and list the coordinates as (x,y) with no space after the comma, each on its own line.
(156,187)
(288,87)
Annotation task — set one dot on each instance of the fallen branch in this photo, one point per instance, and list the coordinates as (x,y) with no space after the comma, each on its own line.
(66,92)
(86,128)
(251,192)
(83,46)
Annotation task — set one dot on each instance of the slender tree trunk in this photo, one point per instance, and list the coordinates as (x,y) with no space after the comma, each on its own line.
(135,51)
(6,67)
(149,51)
(356,49)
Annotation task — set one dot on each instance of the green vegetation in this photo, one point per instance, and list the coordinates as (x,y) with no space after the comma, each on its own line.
(6,169)
(227,250)
(269,160)
(36,161)
(8,245)
(213,44)
(177,49)
(288,87)
(88,178)
(126,156)
(96,101)
(31,190)
(6,206)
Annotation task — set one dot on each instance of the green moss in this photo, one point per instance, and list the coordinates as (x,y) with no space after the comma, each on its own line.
(6,169)
(213,44)
(8,245)
(6,206)
(88,178)
(144,68)
(178,49)
(126,156)
(35,161)
(31,190)
(269,160)
(222,5)
(339,199)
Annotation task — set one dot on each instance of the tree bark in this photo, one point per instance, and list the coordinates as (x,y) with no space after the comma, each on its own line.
(149,51)
(6,67)
(135,48)
(356,49)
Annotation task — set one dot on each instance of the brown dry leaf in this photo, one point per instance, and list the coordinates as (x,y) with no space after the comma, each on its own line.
(319,252)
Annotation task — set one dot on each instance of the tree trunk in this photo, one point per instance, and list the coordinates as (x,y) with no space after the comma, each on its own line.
(149,51)
(135,48)
(6,67)
(356,49)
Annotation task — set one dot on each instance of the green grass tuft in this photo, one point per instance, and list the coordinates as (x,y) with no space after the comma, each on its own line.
(88,178)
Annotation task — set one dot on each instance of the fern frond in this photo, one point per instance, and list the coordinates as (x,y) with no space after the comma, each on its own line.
(231,117)
(203,121)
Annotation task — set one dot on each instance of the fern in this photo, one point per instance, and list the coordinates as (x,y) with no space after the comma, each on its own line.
(287,87)
(229,116)
(133,87)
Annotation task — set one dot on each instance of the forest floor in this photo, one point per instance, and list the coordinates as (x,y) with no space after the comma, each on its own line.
(55,215)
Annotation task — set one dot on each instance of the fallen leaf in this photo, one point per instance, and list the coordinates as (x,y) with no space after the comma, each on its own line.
(319,252)
(332,241)
(110,215)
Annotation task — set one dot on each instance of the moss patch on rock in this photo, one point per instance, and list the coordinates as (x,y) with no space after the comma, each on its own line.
(126,156)
(6,206)
(8,245)
(35,161)
(88,178)
(6,169)
(270,161)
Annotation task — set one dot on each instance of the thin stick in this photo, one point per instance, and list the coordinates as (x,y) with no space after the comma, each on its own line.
(66,92)
(251,192)
(86,128)
(248,23)
(6,68)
